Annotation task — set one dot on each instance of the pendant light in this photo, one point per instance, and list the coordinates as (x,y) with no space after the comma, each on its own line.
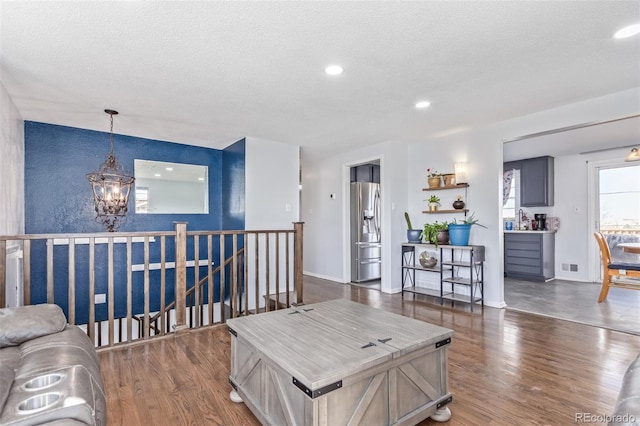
(111,188)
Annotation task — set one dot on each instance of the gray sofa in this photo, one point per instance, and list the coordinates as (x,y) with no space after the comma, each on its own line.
(627,409)
(49,371)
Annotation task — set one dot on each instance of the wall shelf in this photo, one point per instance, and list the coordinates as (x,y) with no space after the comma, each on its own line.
(440,188)
(446,211)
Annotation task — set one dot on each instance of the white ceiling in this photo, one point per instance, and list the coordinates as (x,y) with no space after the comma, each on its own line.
(209,73)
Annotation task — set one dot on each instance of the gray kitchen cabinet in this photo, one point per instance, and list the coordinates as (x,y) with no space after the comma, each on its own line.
(366,173)
(529,255)
(536,182)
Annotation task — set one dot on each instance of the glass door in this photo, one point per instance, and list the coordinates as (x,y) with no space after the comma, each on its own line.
(617,209)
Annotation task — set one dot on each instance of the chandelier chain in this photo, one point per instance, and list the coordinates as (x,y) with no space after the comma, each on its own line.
(111,133)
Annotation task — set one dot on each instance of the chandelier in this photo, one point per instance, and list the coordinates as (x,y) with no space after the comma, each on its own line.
(111,188)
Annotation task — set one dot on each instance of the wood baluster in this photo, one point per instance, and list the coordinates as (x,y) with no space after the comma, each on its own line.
(26,272)
(92,289)
(181,274)
(72,282)
(129,291)
(49,270)
(163,285)
(297,260)
(210,277)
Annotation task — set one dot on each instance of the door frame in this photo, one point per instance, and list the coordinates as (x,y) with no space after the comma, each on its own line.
(593,216)
(346,212)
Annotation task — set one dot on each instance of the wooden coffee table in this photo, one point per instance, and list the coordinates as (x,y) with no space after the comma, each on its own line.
(339,362)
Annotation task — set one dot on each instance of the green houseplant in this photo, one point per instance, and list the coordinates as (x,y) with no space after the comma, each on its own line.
(436,233)
(413,235)
(434,202)
(459,231)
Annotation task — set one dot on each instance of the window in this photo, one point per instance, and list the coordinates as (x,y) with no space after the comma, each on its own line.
(510,208)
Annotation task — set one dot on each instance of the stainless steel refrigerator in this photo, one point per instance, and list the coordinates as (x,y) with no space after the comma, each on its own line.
(365,231)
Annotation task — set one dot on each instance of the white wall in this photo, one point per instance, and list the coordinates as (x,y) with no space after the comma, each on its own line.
(326,243)
(481,147)
(271,178)
(11,166)
(272,202)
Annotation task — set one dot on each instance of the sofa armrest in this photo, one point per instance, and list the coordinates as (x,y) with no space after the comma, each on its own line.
(627,410)
(23,323)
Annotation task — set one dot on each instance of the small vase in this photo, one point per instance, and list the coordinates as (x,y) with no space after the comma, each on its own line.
(449,179)
(458,204)
(433,207)
(434,182)
(443,236)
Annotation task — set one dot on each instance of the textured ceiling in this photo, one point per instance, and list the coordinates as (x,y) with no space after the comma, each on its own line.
(209,73)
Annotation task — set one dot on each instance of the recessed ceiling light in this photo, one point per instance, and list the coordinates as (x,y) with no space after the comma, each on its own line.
(200,178)
(157,174)
(422,104)
(333,70)
(169,169)
(627,31)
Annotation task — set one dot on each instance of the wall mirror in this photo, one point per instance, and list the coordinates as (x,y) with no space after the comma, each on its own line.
(171,188)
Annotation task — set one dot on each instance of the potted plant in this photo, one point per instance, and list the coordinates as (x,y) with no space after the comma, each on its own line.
(413,235)
(449,179)
(434,203)
(433,178)
(436,233)
(459,232)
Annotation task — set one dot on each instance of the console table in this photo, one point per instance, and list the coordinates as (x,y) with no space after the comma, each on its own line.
(337,363)
(451,270)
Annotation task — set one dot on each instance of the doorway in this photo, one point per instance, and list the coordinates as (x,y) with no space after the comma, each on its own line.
(365,242)
(615,199)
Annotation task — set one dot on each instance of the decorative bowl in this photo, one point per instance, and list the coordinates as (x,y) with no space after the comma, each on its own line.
(427,260)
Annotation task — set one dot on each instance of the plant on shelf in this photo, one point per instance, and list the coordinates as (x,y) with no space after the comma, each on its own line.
(431,173)
(433,178)
(413,235)
(434,203)
(460,231)
(471,220)
(436,233)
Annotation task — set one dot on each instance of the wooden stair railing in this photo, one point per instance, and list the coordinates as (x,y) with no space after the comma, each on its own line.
(119,267)
(153,320)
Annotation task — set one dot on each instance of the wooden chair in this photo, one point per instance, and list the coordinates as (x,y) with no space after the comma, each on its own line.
(615,270)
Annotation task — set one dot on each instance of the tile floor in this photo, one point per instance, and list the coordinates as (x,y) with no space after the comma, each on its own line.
(577,302)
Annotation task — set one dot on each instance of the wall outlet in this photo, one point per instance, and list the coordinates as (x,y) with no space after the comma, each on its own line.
(100,298)
(565,266)
(573,267)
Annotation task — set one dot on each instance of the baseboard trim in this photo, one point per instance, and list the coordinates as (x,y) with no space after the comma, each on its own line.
(324,277)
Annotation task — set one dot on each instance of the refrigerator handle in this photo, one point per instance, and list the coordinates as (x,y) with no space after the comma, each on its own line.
(376,212)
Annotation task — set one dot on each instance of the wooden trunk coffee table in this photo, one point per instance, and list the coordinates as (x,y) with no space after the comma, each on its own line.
(338,363)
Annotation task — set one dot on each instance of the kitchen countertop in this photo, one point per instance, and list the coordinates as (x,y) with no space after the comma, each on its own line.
(529,232)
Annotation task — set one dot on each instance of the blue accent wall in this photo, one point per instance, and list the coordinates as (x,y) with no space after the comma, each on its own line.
(233,178)
(58,199)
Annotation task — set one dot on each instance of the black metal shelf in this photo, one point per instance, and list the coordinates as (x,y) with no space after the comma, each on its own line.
(449,273)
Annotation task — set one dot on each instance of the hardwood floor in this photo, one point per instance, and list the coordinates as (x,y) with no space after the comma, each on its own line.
(505,367)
